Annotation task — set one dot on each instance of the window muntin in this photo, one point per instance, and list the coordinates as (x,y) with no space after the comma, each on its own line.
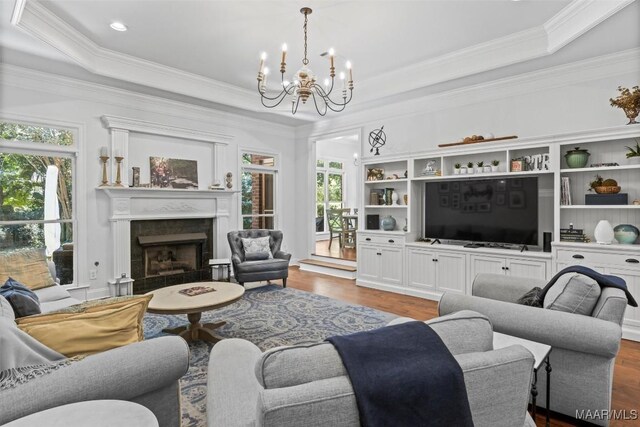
(258,191)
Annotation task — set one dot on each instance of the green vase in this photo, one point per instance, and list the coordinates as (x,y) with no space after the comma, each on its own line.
(577,158)
(626,234)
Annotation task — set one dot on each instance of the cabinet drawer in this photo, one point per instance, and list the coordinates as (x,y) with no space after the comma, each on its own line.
(381,240)
(597,258)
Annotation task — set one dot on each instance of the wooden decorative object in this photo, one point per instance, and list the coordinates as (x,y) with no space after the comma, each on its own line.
(105,179)
(477,141)
(118,173)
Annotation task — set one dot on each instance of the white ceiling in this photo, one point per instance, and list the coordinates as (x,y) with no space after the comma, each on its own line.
(209,50)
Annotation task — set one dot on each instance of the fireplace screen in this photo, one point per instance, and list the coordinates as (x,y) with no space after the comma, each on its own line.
(171,253)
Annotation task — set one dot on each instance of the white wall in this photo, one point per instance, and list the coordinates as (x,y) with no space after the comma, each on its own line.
(45,98)
(567,98)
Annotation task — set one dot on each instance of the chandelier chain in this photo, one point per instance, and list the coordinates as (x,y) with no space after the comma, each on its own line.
(305,61)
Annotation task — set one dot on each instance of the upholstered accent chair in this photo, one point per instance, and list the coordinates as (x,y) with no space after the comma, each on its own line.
(584,348)
(256,271)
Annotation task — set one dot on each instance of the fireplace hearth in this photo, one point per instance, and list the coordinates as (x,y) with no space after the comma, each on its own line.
(170,252)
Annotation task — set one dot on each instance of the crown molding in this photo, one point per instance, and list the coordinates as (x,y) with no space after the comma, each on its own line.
(67,87)
(627,61)
(142,126)
(571,22)
(578,18)
(41,23)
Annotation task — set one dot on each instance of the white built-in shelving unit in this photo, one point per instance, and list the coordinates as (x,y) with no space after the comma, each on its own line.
(397,261)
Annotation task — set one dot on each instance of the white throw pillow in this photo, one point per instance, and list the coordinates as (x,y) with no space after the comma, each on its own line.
(259,244)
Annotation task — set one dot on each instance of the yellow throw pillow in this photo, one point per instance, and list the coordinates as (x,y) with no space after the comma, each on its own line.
(91,328)
(28,267)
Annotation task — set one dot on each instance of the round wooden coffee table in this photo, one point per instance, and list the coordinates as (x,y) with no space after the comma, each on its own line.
(169,300)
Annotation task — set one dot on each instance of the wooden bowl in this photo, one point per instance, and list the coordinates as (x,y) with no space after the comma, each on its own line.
(607,190)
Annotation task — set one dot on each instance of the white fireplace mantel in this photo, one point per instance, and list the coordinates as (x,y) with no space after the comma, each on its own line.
(135,204)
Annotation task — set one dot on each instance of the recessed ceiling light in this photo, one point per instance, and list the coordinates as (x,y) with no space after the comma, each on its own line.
(118,26)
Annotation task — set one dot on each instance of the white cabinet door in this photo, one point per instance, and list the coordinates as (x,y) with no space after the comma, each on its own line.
(450,276)
(485,264)
(390,265)
(369,262)
(421,269)
(632,277)
(527,268)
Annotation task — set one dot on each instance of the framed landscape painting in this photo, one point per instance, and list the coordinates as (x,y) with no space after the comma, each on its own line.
(173,173)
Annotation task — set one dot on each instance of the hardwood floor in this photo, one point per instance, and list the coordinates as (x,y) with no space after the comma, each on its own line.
(626,382)
(322,249)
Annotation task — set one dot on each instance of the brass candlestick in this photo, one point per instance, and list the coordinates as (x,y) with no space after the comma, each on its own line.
(118,179)
(105,179)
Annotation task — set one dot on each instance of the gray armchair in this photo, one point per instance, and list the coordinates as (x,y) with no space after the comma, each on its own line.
(584,348)
(256,271)
(308,384)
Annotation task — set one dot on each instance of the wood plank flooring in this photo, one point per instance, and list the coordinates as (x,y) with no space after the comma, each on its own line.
(626,382)
(322,249)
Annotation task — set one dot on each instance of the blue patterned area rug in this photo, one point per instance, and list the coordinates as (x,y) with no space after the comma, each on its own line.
(269,316)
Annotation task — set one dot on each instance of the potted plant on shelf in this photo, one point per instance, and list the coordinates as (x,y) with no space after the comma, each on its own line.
(470,167)
(634,152)
(456,169)
(494,165)
(480,167)
(628,101)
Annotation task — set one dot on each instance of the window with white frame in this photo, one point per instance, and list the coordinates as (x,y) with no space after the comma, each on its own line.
(258,190)
(37,177)
(330,192)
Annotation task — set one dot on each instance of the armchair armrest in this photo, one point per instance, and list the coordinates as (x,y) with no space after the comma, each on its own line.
(503,288)
(282,255)
(232,388)
(498,384)
(122,374)
(555,328)
(235,260)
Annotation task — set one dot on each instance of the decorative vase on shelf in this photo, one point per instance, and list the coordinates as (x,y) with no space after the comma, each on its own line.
(406,199)
(388,223)
(456,171)
(577,158)
(488,169)
(387,196)
(604,232)
(394,198)
(626,234)
(494,168)
(463,171)
(406,225)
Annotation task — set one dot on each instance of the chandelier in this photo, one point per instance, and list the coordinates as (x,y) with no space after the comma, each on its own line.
(304,84)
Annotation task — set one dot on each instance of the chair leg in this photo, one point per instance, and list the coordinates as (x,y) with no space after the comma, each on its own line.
(330,239)
(241,284)
(284,282)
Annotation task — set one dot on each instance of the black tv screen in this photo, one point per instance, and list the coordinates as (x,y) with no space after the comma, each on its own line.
(483,210)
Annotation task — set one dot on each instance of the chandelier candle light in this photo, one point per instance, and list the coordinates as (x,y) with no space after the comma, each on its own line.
(304,85)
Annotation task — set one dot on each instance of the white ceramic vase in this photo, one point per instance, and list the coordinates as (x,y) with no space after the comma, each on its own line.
(603,233)
(394,199)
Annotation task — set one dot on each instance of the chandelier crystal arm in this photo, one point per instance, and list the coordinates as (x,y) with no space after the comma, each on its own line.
(328,101)
(315,103)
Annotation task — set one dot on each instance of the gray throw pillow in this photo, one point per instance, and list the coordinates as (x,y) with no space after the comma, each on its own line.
(531,298)
(259,244)
(573,293)
(256,256)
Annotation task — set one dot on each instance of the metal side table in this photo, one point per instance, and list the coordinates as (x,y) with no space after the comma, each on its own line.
(541,354)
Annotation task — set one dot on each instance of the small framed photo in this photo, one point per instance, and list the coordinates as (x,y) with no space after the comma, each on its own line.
(500,199)
(484,207)
(469,208)
(517,165)
(443,187)
(444,201)
(516,200)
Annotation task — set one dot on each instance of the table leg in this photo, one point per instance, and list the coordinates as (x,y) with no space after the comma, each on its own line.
(196,330)
(548,369)
(534,394)
(229,273)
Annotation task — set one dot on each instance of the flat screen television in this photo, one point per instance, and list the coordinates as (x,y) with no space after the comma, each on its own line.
(483,210)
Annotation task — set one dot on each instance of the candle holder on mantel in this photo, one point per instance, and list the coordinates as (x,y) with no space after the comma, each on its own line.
(118,173)
(105,179)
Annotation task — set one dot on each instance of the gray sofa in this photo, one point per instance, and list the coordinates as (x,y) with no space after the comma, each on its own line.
(256,271)
(146,373)
(308,385)
(584,347)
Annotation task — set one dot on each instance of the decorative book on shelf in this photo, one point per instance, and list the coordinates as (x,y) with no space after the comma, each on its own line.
(565,191)
(572,235)
(196,290)
(606,199)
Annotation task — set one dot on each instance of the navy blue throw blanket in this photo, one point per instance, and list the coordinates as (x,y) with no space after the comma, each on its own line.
(404,375)
(603,280)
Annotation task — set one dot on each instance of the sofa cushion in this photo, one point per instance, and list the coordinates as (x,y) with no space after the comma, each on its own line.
(256,256)
(263,266)
(52,293)
(258,244)
(92,327)
(26,266)
(462,332)
(573,293)
(22,299)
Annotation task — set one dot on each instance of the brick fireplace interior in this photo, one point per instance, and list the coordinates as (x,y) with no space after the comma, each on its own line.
(170,252)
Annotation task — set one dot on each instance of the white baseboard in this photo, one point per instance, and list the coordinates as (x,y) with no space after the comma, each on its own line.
(351,275)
